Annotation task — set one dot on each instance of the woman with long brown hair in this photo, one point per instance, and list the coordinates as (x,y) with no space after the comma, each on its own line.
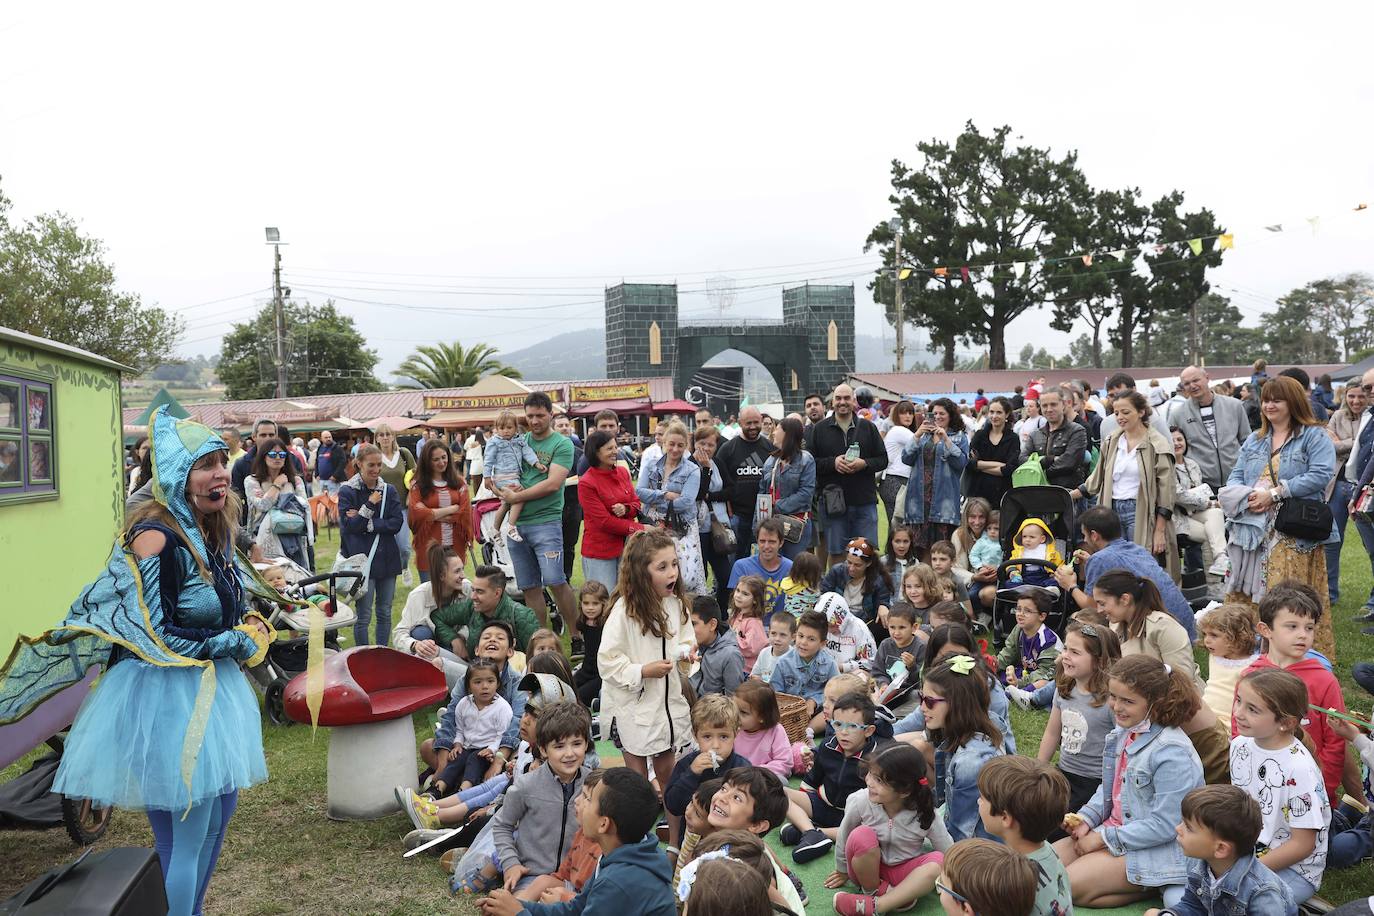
(1289,457)
(438,506)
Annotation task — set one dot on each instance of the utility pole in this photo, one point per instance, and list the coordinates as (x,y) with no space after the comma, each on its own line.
(1194,345)
(895,225)
(279,311)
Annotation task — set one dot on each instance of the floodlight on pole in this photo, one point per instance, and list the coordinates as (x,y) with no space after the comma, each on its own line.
(895,224)
(278,308)
(273,234)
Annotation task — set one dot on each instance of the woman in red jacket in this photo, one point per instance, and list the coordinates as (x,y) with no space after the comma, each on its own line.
(439,509)
(609,505)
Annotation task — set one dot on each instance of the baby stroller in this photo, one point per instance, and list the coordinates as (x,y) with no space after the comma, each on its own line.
(287,657)
(1054,506)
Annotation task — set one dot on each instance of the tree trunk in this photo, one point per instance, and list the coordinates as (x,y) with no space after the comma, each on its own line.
(997,347)
(1125,329)
(1097,345)
(949,354)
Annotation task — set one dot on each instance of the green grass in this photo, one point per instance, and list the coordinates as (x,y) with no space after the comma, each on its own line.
(283,856)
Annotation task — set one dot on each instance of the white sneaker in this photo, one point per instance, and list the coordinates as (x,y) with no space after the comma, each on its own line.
(407,578)
(1021,696)
(1221,565)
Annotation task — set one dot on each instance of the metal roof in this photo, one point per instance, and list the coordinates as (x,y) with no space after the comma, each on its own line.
(1006,380)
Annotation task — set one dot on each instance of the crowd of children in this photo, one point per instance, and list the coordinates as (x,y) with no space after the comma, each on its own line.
(908,773)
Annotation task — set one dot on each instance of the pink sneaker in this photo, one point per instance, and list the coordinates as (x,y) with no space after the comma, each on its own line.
(855,904)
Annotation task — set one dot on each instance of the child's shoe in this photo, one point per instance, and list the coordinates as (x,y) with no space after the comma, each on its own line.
(423,813)
(1021,696)
(855,904)
(511,533)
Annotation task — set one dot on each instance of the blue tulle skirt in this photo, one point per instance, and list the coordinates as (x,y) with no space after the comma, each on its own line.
(125,746)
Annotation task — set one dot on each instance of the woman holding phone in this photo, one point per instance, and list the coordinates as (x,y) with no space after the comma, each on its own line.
(937,455)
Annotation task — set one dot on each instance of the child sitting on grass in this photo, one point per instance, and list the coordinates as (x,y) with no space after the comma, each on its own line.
(762,740)
(847,638)
(814,812)
(984,878)
(902,650)
(1228,632)
(481,720)
(538,803)
(715,722)
(742,846)
(1218,832)
(802,586)
(631,878)
(721,665)
(807,667)
(781,629)
(1023,802)
(578,865)
(1027,658)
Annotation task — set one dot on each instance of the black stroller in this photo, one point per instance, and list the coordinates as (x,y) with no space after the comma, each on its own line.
(1054,506)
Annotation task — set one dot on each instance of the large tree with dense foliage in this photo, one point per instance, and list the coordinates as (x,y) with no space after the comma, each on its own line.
(982,200)
(325,354)
(450,366)
(55,282)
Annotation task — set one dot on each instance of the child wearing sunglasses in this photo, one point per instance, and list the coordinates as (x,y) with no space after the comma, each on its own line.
(954,698)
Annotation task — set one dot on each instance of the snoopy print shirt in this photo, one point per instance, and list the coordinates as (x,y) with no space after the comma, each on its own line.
(1287,783)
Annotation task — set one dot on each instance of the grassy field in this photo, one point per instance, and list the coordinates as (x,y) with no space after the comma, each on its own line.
(283,856)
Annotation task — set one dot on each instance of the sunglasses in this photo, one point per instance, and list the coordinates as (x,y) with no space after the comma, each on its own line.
(944,889)
(847,726)
(927,701)
(276,455)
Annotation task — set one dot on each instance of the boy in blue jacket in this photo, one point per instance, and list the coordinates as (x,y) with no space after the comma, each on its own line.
(632,877)
(806,668)
(1220,826)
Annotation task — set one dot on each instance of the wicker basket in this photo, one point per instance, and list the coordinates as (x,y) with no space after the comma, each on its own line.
(793,715)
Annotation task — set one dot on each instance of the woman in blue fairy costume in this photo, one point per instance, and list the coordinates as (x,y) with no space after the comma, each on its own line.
(172,726)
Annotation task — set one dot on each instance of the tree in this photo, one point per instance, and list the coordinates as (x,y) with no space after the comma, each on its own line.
(325,355)
(1296,331)
(55,282)
(1085,352)
(980,201)
(451,366)
(1223,341)
(1177,275)
(1344,308)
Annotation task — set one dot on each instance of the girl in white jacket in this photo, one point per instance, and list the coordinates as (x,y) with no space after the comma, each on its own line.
(647,634)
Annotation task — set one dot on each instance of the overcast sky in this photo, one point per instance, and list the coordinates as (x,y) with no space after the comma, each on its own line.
(413,153)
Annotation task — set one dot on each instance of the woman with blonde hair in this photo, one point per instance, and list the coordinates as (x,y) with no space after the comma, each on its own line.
(398,469)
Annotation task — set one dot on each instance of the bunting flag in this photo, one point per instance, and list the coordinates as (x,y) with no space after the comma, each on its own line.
(941,271)
(1018,269)
(963,274)
(1196,245)
(1087,260)
(905,272)
(1119,254)
(1277,227)
(1313,221)
(1359,207)
(1226,240)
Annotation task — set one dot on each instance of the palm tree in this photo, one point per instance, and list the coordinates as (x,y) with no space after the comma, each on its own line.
(450,366)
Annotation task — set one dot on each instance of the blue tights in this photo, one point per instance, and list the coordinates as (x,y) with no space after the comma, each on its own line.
(188,849)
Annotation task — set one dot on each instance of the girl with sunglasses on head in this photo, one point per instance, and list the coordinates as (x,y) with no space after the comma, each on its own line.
(954,697)
(947,640)
(274,475)
(1080,718)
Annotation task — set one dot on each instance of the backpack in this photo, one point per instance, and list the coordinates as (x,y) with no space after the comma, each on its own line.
(1030,473)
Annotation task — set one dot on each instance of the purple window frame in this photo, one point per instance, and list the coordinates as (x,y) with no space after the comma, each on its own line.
(27,485)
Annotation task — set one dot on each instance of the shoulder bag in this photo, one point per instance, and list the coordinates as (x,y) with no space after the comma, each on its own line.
(792,526)
(360,563)
(1304,519)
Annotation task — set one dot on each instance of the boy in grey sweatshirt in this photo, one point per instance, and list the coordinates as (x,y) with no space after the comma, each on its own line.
(722,665)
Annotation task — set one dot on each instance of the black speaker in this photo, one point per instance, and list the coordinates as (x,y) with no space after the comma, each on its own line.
(125,881)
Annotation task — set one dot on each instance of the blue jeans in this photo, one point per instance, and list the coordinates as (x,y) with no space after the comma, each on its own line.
(1125,510)
(424,576)
(538,556)
(1366,532)
(1041,698)
(382,591)
(607,572)
(1301,889)
(857,522)
(1349,841)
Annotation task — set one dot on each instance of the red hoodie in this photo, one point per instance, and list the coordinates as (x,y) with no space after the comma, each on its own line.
(604,532)
(1322,690)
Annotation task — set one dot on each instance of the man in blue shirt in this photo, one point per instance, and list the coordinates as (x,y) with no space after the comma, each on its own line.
(1105,549)
(768,564)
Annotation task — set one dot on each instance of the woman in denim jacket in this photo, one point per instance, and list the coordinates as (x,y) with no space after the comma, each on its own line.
(937,456)
(954,696)
(673,482)
(1122,845)
(789,475)
(1292,445)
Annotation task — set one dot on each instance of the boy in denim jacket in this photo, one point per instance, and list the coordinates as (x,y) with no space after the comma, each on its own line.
(806,667)
(1220,826)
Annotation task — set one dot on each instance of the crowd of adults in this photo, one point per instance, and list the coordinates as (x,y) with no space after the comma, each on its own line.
(1179,471)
